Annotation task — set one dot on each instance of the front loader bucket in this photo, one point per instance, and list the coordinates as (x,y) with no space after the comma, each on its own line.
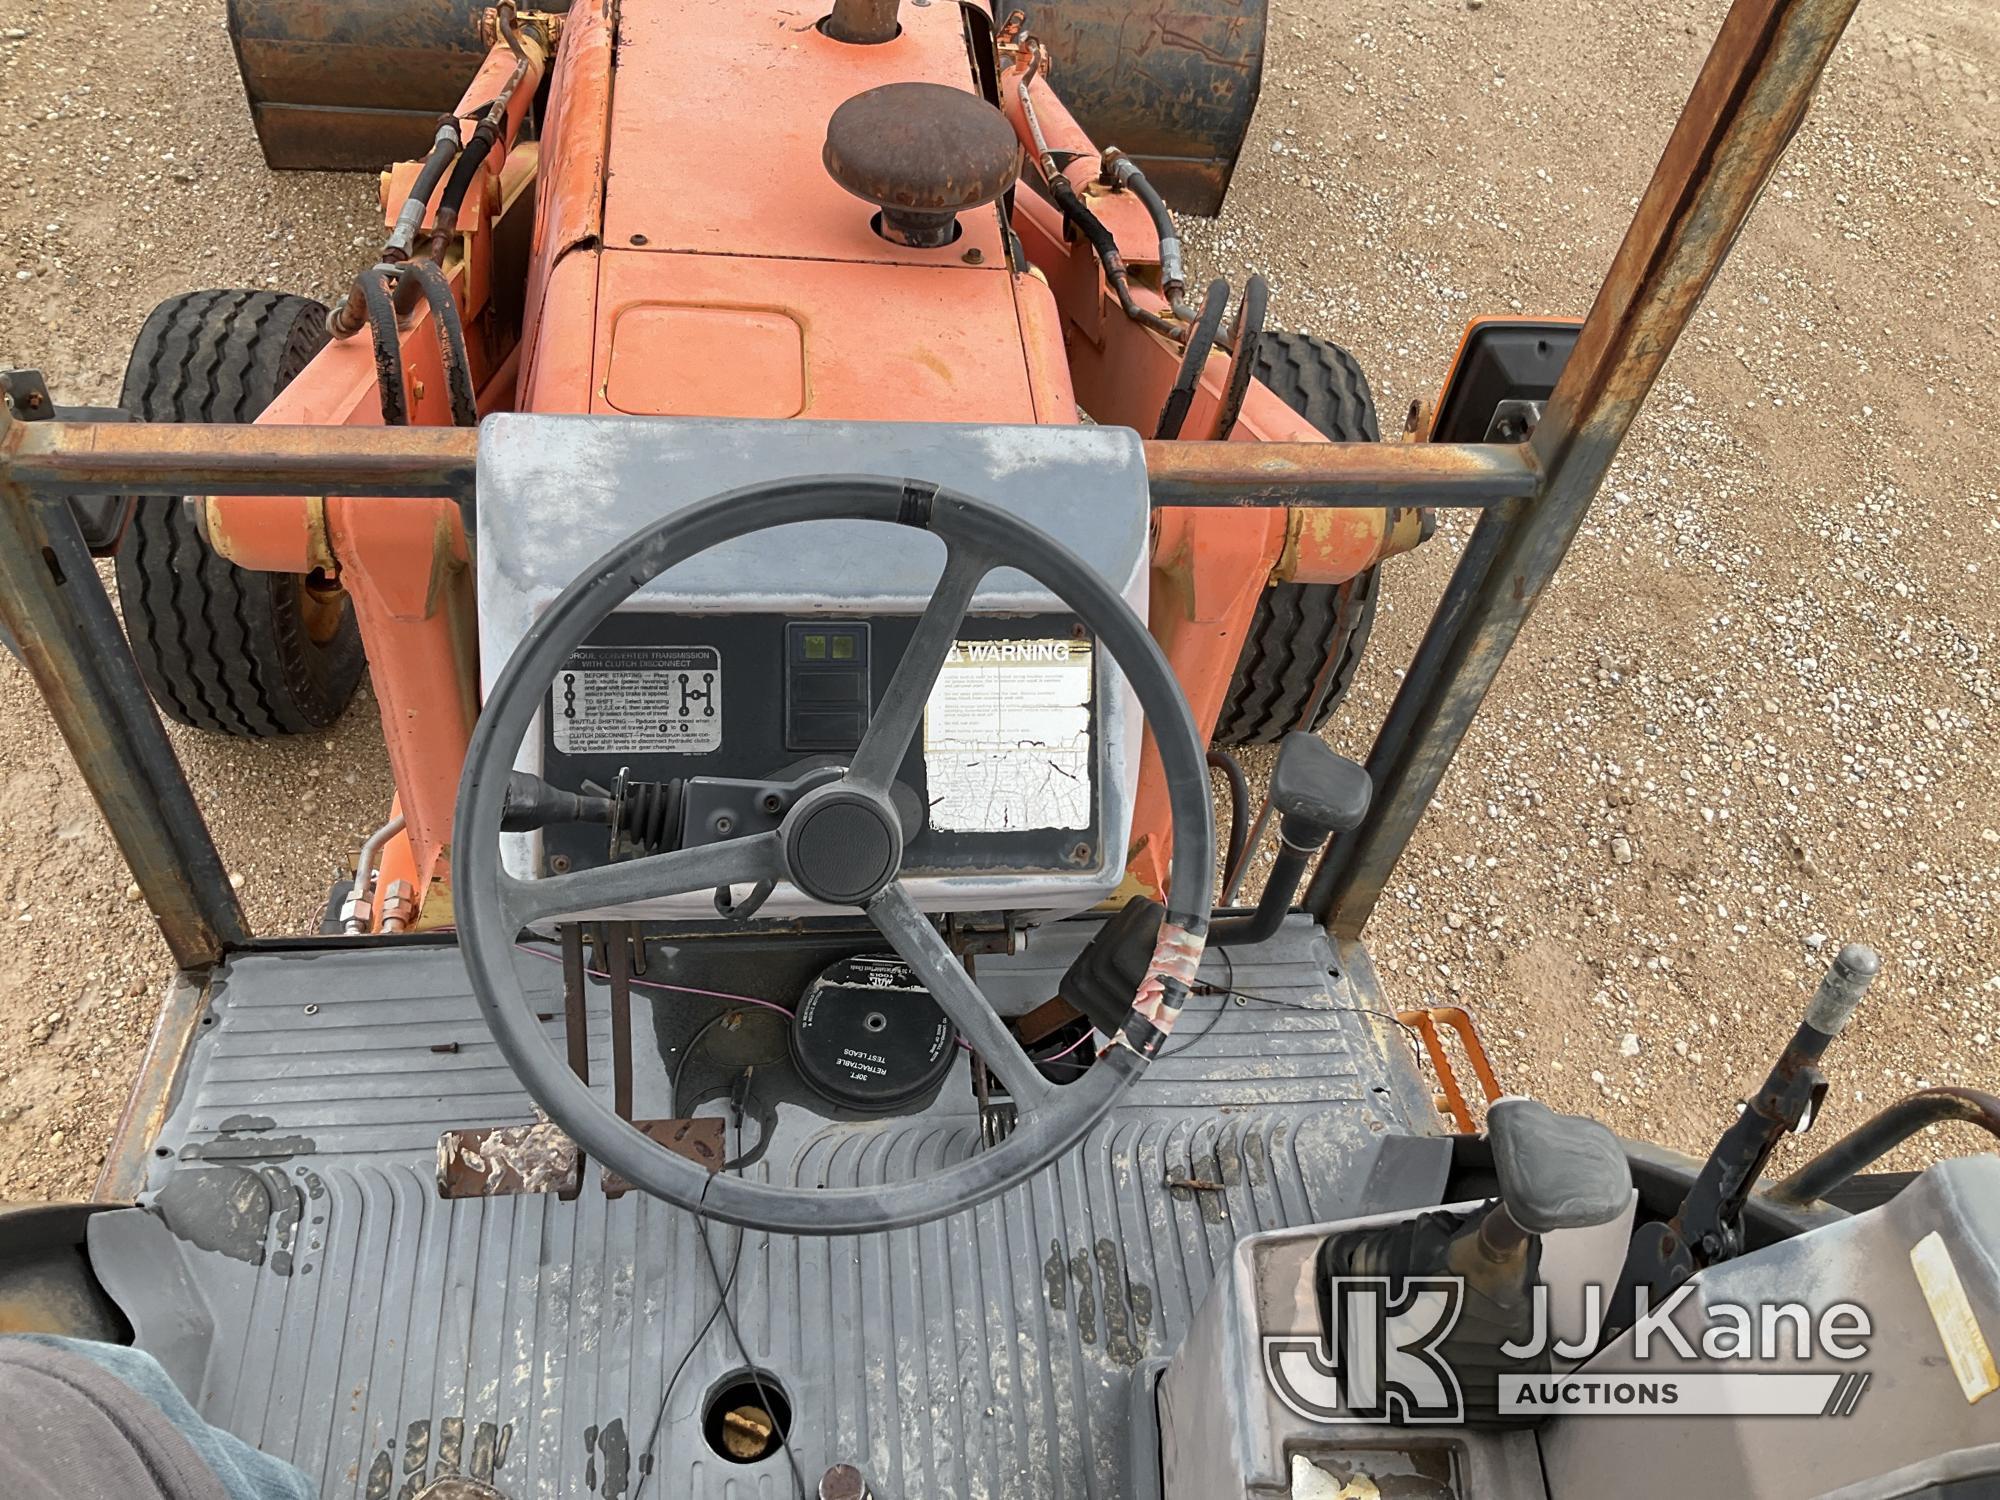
(353,85)
(1172,85)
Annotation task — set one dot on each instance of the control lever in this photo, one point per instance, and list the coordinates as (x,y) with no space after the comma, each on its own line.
(1317,793)
(532,803)
(1555,1172)
(1709,1226)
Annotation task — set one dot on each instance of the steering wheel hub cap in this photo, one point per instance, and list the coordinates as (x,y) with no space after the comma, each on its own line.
(843,844)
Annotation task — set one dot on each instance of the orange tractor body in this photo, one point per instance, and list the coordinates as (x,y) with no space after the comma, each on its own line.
(673,244)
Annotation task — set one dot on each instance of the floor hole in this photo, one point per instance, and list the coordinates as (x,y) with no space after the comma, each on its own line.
(747,1419)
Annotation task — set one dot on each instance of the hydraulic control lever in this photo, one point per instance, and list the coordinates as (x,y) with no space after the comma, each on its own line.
(1709,1226)
(1555,1172)
(1316,793)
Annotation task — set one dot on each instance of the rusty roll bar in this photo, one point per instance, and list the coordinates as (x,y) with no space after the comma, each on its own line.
(1472,476)
(82,458)
(1868,1143)
(1748,101)
(62,623)
(165,458)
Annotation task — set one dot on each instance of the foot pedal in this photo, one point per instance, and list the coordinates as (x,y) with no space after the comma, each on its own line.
(504,1160)
(509,1160)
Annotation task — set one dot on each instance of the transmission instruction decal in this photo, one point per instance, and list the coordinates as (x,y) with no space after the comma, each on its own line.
(1007,737)
(621,700)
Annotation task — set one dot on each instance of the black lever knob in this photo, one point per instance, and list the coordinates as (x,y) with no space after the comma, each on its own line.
(1317,791)
(1556,1171)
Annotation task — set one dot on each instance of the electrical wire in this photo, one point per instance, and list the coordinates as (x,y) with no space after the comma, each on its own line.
(1228,991)
(723,1294)
(1059,1056)
(660,984)
(646,1459)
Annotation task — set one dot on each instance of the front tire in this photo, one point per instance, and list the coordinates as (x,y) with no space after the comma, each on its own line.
(235,652)
(1306,640)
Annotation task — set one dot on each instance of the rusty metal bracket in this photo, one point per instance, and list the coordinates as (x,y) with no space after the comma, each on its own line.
(1451,1093)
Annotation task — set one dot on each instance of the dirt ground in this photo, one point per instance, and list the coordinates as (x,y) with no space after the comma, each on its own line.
(1754,718)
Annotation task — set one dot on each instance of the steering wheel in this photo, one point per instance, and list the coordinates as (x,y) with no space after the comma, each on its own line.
(841,842)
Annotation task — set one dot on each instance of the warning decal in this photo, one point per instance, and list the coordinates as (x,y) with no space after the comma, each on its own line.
(1007,737)
(619,700)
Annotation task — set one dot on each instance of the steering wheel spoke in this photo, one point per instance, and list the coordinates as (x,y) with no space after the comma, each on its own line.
(901,712)
(909,931)
(750,860)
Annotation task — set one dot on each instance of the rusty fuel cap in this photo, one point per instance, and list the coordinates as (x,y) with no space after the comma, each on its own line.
(923,153)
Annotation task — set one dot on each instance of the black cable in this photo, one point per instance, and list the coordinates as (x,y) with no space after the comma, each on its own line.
(1239,804)
(1316,1010)
(647,1459)
(1228,991)
(1194,360)
(743,1351)
(1199,1036)
(684,1109)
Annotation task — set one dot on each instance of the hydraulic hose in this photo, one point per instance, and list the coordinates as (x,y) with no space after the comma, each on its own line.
(451,338)
(469,163)
(411,218)
(1194,359)
(1079,217)
(358,910)
(380,304)
(347,319)
(1242,354)
(1121,171)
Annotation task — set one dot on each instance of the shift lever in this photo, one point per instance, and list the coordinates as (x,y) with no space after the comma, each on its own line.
(1556,1172)
(1709,1226)
(1317,793)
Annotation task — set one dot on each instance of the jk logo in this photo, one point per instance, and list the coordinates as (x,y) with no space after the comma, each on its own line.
(1379,1361)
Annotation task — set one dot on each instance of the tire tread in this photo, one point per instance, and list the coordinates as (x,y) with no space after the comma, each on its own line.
(1302,630)
(222,648)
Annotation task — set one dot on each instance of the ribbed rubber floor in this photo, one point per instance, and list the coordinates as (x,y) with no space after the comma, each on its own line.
(377,1335)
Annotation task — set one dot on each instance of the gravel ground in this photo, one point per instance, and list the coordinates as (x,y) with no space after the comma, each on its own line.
(1753,719)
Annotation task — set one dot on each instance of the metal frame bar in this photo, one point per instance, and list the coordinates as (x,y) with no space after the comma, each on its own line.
(1746,104)
(1748,101)
(53,602)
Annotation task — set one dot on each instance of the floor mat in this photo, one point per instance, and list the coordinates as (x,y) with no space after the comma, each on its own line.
(317,1297)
